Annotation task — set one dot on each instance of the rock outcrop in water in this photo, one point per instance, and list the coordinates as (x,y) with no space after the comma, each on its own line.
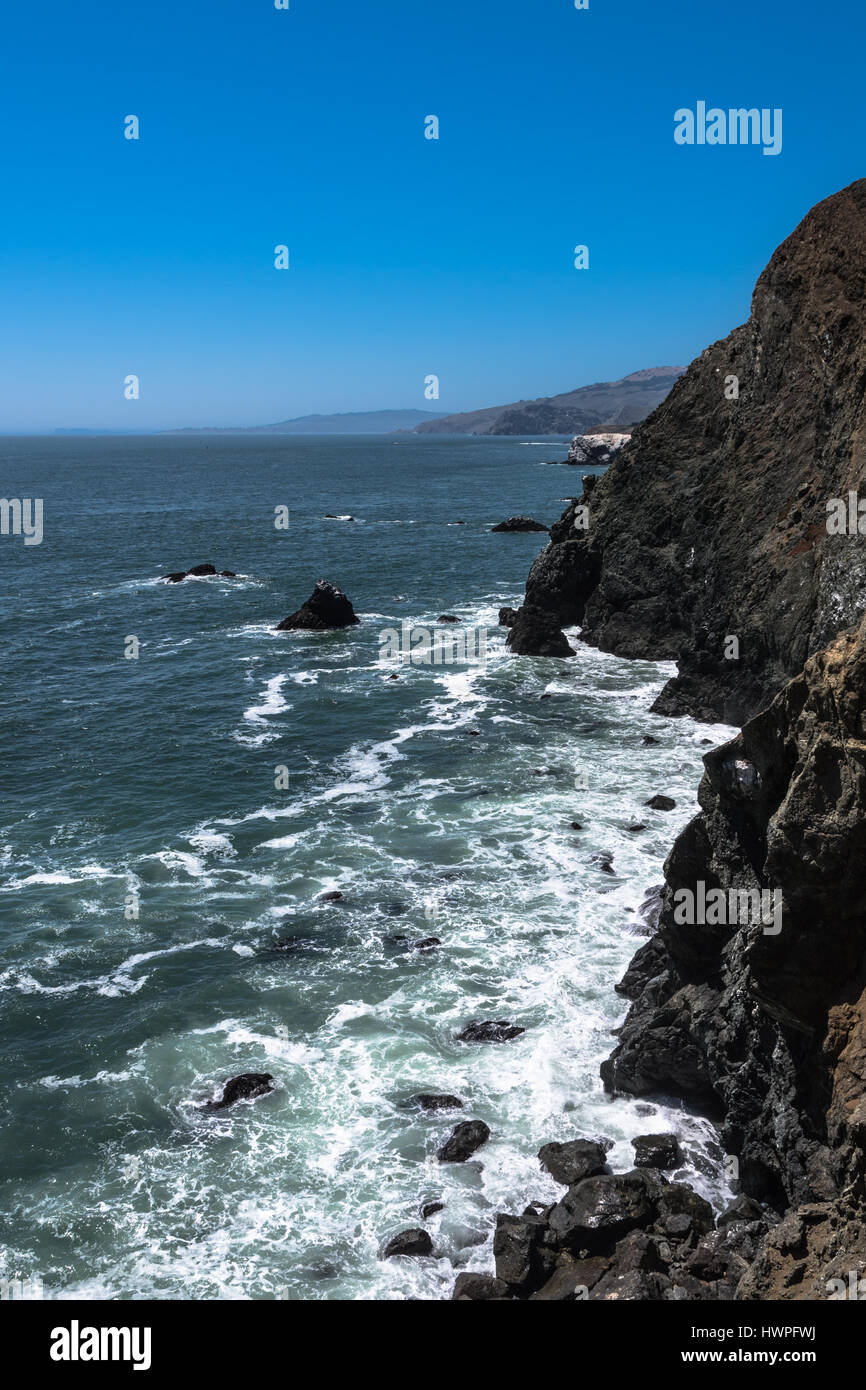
(248,1086)
(711,523)
(327,607)
(596,450)
(519,523)
(197,572)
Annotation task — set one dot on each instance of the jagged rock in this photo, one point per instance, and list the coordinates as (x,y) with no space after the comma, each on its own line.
(657,1151)
(576,1159)
(660,802)
(488,1031)
(463,1141)
(507,616)
(412,1242)
(327,607)
(534,633)
(430,1209)
(431,1100)
(247,1086)
(712,523)
(335,896)
(519,523)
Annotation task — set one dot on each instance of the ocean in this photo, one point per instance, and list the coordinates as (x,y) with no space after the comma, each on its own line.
(171,819)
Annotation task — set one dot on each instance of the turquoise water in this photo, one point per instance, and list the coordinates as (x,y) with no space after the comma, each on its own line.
(150,867)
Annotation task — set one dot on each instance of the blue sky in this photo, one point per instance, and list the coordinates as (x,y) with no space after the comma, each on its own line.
(408,256)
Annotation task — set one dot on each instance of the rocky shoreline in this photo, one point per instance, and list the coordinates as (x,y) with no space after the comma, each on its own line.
(711,525)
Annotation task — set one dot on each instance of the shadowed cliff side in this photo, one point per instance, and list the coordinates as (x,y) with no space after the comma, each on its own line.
(769,1021)
(712,522)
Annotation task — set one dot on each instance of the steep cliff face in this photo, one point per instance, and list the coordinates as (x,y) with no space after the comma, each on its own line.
(765,1021)
(711,523)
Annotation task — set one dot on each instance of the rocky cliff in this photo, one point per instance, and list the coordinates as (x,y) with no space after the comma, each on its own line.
(749,1001)
(711,524)
(764,1021)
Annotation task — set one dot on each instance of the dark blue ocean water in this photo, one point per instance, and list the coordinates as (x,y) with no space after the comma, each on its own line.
(150,866)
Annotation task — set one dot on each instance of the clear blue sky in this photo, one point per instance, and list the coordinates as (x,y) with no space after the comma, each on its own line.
(408,256)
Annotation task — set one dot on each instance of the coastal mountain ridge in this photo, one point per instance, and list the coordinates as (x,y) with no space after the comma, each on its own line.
(604,405)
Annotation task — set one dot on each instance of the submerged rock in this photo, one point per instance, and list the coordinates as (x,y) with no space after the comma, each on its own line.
(327,607)
(519,523)
(463,1141)
(435,1100)
(660,802)
(197,571)
(487,1031)
(247,1086)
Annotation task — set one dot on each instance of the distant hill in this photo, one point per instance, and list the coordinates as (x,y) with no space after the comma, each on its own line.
(351,422)
(606,405)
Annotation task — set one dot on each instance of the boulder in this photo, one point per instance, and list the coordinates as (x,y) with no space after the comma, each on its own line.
(661,803)
(463,1141)
(596,1213)
(327,607)
(479,1288)
(657,1151)
(523,1262)
(574,1160)
(414,1241)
